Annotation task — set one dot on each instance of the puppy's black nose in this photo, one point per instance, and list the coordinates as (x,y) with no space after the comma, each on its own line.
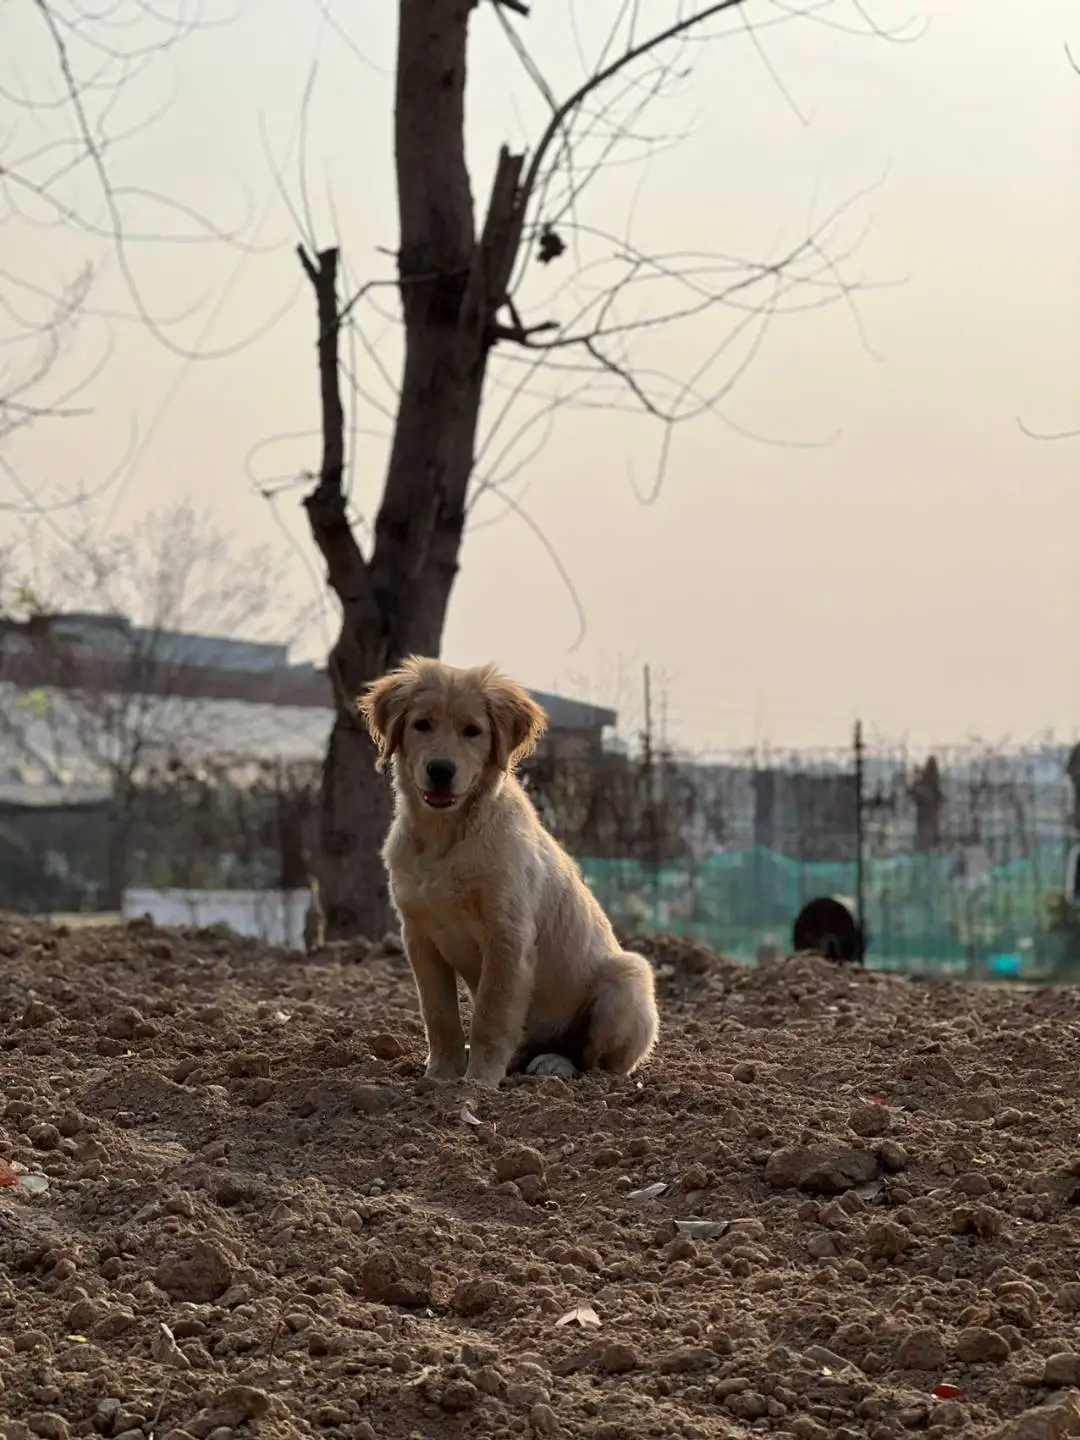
(441,773)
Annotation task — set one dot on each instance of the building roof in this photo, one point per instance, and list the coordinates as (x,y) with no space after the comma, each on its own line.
(53,751)
(208,668)
(566,714)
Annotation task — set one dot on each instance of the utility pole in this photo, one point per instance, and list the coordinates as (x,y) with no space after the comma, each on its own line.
(651,817)
(860,878)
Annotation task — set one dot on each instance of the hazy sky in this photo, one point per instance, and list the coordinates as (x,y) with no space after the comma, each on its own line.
(892,546)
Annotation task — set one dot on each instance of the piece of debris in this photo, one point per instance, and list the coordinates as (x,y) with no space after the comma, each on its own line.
(22,1180)
(702,1229)
(648,1192)
(583,1315)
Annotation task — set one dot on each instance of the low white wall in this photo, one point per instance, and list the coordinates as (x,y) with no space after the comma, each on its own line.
(274,916)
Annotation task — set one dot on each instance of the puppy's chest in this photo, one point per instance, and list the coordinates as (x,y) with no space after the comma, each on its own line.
(433,887)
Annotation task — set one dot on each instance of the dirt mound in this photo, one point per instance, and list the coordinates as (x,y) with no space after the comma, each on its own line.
(830,1195)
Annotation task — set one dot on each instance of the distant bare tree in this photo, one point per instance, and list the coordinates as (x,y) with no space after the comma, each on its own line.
(95,681)
(468,294)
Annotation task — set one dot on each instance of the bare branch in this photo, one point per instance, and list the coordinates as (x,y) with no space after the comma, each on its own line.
(608,72)
(325,505)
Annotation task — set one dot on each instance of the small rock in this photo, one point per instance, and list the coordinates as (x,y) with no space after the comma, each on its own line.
(532,1189)
(105,1413)
(43,1137)
(748,1226)
(115,1322)
(330,1415)
(973,1185)
(37,1014)
(885,1240)
(520,1160)
(978,1346)
(731,1385)
(30,1340)
(122,1024)
(543,1420)
(745,1072)
(921,1349)
(747,1405)
(618,1358)
(981,1220)
(48,1426)
(930,1067)
(248,1399)
(249,1067)
(384,1282)
(457,1395)
(828,1359)
(949,1415)
(1060,1420)
(1062,1370)
(821,1246)
(685,1360)
(473,1297)
(128,1419)
(820,1169)
(198,1273)
(892,1155)
(85,1314)
(695,1179)
(387,1047)
(372,1099)
(489,1381)
(869,1119)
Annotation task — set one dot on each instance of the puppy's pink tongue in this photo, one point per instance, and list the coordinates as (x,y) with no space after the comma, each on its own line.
(437,799)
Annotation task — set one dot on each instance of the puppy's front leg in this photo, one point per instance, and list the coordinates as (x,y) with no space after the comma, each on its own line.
(500,1006)
(436,985)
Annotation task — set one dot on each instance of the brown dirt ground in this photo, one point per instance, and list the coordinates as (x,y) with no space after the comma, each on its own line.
(241,1147)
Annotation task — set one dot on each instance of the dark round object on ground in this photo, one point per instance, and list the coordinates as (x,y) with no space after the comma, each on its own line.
(828,927)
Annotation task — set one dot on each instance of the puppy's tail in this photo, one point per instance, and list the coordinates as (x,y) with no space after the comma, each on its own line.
(624,1025)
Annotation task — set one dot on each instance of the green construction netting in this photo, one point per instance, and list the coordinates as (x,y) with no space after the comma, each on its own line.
(921,913)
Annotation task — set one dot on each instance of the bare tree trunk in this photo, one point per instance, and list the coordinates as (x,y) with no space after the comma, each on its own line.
(394,602)
(119,851)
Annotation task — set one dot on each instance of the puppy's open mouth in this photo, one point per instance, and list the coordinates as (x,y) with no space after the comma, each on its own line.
(438,799)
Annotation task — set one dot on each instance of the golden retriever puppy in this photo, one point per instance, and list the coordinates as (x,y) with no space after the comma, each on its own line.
(484,892)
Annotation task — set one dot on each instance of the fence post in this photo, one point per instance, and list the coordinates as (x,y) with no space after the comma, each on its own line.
(652,819)
(860,877)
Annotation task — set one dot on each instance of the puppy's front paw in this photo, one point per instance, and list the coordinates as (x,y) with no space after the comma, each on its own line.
(552,1065)
(445,1068)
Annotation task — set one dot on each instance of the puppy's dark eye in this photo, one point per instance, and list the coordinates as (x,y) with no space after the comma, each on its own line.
(471,732)
(422,725)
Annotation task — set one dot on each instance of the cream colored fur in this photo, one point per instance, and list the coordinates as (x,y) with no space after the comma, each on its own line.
(484,892)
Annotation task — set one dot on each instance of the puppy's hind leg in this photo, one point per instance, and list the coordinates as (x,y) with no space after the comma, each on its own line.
(624,1023)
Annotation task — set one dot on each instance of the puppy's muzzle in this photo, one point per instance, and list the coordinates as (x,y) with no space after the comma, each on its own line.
(440,784)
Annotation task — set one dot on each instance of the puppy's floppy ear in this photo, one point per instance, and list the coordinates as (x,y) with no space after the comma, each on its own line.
(517,721)
(384,706)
